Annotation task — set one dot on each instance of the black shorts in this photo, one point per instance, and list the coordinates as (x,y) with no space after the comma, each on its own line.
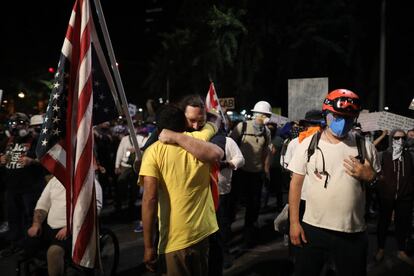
(50,235)
(47,238)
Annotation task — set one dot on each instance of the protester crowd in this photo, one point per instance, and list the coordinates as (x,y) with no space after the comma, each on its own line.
(199,168)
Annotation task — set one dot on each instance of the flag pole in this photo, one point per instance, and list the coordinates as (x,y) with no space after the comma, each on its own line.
(117,76)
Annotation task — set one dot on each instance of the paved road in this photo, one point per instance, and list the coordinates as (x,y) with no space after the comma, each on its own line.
(269,257)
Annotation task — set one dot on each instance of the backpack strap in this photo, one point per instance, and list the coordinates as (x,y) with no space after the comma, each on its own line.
(242,133)
(284,147)
(360,143)
(265,133)
(244,128)
(313,145)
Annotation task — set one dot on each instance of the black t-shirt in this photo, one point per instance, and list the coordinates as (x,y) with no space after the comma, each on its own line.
(16,176)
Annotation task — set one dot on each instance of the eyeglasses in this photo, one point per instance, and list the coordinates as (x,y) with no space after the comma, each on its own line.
(398,137)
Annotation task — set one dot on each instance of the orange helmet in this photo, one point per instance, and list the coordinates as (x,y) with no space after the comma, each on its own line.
(342,102)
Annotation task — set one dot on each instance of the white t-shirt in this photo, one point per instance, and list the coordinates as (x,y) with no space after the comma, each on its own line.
(125,148)
(339,206)
(284,161)
(53,201)
(235,156)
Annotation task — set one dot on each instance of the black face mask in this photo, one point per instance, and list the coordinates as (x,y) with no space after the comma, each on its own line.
(409,143)
(295,131)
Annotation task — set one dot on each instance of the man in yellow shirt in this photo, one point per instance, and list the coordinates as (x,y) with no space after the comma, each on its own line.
(178,184)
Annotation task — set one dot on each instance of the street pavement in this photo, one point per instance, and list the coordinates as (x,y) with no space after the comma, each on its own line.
(269,257)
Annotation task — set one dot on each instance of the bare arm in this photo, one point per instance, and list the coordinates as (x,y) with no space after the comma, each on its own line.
(39,217)
(149,215)
(202,150)
(297,235)
(379,139)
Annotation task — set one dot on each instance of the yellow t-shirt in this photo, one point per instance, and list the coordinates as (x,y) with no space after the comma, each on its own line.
(185,205)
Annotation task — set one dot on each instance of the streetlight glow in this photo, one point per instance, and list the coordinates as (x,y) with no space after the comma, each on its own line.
(21,95)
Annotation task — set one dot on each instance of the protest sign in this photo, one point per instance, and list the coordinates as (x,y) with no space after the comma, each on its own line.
(384,120)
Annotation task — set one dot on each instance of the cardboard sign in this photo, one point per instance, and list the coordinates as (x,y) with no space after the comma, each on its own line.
(369,121)
(304,95)
(384,121)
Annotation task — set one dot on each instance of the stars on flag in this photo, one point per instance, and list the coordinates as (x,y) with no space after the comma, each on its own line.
(54,122)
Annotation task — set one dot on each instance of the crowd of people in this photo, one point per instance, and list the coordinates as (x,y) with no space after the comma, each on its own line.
(199,168)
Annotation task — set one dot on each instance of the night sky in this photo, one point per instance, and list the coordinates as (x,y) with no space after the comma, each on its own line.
(32,34)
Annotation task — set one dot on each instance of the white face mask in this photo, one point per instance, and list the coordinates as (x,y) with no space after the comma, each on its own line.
(263,119)
(23,132)
(397,148)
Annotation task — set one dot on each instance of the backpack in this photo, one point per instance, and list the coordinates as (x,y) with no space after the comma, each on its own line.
(243,130)
(243,133)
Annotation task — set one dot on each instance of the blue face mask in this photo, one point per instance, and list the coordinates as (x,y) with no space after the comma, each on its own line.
(339,126)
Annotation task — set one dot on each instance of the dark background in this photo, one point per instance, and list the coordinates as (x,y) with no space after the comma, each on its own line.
(281,40)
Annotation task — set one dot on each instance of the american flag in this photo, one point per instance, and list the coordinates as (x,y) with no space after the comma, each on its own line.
(213,103)
(81,97)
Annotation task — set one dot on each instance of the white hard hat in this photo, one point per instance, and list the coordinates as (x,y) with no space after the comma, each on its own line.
(36,120)
(262,107)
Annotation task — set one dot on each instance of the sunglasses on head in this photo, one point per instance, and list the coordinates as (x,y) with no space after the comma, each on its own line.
(398,137)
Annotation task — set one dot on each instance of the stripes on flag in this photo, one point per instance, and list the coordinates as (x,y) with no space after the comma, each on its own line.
(78,101)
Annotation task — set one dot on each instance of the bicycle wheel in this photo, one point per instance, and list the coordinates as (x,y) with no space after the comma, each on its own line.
(109,249)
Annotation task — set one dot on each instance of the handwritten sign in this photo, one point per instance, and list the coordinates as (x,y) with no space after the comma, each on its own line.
(384,120)
(390,120)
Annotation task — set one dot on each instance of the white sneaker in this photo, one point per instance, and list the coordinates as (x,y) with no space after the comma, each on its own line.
(4,227)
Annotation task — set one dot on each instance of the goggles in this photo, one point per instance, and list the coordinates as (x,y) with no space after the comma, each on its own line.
(346,105)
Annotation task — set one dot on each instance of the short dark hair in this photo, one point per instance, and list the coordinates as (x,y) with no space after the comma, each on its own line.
(171,117)
(193,100)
